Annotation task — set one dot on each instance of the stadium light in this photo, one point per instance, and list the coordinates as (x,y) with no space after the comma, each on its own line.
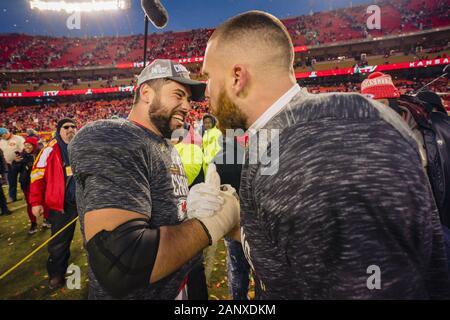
(80,6)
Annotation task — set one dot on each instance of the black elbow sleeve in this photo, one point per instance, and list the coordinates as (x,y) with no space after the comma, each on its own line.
(122,260)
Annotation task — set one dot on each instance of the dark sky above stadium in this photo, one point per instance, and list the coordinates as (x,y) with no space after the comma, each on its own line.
(17,17)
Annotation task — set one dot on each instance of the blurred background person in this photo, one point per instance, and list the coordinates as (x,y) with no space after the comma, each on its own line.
(3,180)
(12,145)
(23,164)
(211,143)
(53,187)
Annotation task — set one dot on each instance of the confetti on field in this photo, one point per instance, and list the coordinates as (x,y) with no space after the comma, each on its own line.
(36,274)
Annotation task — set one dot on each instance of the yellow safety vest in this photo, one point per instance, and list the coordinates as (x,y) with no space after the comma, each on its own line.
(192,159)
(210,146)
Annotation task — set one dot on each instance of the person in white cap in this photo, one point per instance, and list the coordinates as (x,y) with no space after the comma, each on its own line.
(132,197)
(12,145)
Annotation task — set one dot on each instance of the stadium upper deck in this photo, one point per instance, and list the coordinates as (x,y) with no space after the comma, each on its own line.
(325,28)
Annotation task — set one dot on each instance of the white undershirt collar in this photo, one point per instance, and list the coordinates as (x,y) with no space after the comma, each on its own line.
(275,108)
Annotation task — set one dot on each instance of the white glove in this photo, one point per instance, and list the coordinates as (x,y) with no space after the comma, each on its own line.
(226,218)
(203,198)
(212,177)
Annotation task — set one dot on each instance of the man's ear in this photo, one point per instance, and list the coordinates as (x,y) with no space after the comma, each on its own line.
(147,93)
(240,79)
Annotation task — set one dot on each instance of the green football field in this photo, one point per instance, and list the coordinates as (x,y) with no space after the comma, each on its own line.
(29,280)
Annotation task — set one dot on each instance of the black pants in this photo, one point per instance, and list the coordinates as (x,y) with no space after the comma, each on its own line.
(12,182)
(197,288)
(3,206)
(59,247)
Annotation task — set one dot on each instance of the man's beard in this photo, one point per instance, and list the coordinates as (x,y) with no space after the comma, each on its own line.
(161,121)
(229,115)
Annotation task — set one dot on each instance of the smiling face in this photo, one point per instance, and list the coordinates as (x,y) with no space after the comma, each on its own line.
(176,122)
(169,107)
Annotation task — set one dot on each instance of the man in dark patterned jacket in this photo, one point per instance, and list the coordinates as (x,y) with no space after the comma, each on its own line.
(335,203)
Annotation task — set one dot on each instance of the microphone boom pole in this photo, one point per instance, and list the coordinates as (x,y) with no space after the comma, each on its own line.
(145,40)
(156,13)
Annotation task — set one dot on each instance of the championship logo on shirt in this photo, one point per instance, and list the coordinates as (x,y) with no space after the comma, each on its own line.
(180,184)
(182,209)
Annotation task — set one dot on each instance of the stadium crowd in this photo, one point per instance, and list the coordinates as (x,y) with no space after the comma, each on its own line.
(28,52)
(44,117)
(49,186)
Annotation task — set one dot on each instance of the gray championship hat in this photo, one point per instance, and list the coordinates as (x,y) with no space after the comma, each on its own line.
(165,68)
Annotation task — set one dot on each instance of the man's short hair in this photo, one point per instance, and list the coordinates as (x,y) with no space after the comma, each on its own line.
(155,84)
(260,26)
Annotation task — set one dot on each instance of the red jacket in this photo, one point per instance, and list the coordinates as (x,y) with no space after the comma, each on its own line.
(47,179)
